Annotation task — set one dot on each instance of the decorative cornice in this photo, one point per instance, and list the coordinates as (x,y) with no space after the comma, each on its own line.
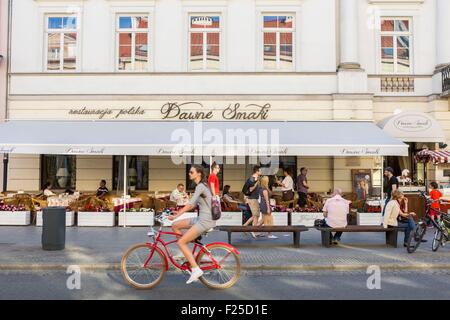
(395,1)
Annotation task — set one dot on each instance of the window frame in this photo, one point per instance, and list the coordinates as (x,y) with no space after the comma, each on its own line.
(43,179)
(205,32)
(118,168)
(47,31)
(395,34)
(278,31)
(118,31)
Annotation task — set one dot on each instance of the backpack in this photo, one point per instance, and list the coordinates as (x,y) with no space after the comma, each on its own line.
(246,189)
(214,205)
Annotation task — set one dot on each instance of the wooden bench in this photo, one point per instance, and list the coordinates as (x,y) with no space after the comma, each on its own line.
(391,233)
(294,229)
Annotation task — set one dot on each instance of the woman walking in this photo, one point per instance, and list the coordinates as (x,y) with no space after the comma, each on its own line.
(198,225)
(264,204)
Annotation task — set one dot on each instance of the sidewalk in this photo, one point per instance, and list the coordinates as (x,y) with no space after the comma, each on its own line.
(102,248)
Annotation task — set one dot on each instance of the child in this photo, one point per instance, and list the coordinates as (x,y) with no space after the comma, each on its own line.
(435,195)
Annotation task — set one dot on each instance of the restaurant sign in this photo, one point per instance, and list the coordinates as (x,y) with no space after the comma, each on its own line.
(412,123)
(195,111)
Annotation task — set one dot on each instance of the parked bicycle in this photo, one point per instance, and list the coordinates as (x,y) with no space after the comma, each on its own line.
(441,225)
(144,265)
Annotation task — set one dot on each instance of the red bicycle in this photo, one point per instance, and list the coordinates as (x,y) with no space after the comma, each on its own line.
(144,265)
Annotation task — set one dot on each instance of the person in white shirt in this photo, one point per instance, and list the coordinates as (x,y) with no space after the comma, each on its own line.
(335,211)
(47,190)
(179,196)
(287,186)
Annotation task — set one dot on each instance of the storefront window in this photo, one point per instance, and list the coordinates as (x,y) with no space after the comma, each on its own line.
(61,37)
(133,42)
(278,42)
(274,170)
(137,173)
(190,185)
(204,43)
(60,171)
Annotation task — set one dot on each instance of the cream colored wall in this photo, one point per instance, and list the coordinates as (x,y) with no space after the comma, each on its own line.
(234,175)
(1,172)
(342,174)
(164,175)
(320,172)
(90,170)
(24,172)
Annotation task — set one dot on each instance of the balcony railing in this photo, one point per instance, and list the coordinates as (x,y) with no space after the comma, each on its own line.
(397,84)
(446,81)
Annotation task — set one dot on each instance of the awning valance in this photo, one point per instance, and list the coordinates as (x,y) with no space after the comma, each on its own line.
(413,127)
(436,157)
(307,138)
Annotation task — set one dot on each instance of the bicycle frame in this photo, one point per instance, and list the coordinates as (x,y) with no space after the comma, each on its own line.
(185,266)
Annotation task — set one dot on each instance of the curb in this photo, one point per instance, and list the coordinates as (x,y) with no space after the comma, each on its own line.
(115,266)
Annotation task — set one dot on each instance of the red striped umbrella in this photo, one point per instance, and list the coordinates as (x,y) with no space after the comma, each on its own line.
(438,156)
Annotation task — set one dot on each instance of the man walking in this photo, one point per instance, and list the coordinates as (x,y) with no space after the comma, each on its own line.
(251,190)
(302,187)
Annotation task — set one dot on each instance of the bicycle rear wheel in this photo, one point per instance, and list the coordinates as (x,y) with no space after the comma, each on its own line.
(133,270)
(230,266)
(416,236)
(437,240)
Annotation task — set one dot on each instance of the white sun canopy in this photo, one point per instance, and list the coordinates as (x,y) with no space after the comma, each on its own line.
(302,138)
(413,127)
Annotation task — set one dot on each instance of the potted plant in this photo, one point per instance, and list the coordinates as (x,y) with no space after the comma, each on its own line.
(137,217)
(95,216)
(306,216)
(70,217)
(12,215)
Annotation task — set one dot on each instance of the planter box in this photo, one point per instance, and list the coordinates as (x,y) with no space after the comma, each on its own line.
(15,218)
(187,215)
(369,219)
(96,219)
(136,219)
(305,218)
(229,218)
(280,218)
(70,219)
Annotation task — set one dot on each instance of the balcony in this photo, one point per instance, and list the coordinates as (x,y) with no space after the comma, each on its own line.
(397,84)
(446,82)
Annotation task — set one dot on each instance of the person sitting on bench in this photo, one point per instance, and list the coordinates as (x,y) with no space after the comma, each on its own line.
(396,217)
(335,211)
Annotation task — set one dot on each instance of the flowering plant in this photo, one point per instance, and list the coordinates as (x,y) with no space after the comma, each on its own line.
(11,207)
(139,210)
(93,208)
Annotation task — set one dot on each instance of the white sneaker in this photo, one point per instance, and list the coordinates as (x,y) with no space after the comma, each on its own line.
(272,237)
(195,274)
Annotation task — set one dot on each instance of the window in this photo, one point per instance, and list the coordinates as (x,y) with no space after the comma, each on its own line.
(276,172)
(204,43)
(278,42)
(133,42)
(62,38)
(60,171)
(190,185)
(137,173)
(395,42)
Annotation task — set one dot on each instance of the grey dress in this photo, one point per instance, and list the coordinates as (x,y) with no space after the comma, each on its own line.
(202,197)
(262,204)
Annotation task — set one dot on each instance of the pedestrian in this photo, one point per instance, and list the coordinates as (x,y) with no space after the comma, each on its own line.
(302,187)
(202,198)
(251,191)
(391,186)
(287,186)
(435,196)
(335,211)
(264,205)
(213,180)
(102,189)
(396,217)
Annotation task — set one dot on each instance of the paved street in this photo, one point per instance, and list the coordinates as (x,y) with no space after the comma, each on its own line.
(252,285)
(103,247)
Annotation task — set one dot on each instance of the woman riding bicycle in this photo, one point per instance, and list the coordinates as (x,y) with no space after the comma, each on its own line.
(198,225)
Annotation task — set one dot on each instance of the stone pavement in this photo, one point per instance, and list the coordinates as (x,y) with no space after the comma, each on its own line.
(101,248)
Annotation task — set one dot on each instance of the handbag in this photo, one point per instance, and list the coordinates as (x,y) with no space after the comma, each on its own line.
(318,223)
(215,206)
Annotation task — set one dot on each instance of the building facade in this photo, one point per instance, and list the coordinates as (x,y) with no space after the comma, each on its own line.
(225,60)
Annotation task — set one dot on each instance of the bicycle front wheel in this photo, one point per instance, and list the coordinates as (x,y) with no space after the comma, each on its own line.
(437,240)
(141,271)
(416,236)
(228,272)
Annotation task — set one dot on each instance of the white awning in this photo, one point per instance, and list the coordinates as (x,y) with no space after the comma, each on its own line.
(302,138)
(413,127)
